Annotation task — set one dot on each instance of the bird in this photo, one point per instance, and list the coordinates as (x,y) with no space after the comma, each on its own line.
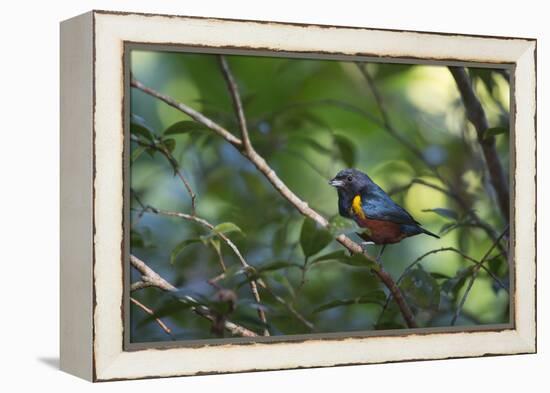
(384,221)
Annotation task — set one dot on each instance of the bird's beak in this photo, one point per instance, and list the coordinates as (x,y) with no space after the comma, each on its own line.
(336,183)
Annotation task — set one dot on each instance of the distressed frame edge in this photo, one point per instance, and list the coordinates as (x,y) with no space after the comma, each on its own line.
(76,196)
(528,339)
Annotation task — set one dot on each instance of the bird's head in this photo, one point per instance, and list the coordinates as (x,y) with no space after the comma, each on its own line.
(351,180)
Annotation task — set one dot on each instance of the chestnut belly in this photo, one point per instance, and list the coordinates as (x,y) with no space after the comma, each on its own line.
(381,232)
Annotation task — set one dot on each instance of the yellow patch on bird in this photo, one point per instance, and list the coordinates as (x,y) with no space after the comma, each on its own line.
(357,208)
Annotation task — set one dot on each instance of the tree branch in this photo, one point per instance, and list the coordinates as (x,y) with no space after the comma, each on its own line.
(247,267)
(152,313)
(237,103)
(453,191)
(475,272)
(193,114)
(152,277)
(174,163)
(302,206)
(476,115)
(443,249)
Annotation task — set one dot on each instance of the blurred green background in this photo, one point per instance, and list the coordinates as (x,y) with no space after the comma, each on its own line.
(309,119)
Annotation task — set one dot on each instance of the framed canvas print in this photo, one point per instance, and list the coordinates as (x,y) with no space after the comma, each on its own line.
(245,195)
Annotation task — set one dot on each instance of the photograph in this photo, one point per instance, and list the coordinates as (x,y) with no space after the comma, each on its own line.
(295,197)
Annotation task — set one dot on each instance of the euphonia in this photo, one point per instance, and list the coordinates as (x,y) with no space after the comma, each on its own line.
(361,199)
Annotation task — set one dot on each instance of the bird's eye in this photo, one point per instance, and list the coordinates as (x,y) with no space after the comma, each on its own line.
(350,178)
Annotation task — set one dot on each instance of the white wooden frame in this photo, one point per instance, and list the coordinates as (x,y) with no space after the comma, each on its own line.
(92,194)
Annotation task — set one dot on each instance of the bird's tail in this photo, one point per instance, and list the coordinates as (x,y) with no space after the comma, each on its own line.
(429,233)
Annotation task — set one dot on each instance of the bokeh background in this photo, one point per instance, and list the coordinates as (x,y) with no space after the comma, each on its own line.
(309,119)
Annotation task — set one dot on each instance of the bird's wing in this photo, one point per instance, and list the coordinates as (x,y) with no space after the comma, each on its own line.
(380,206)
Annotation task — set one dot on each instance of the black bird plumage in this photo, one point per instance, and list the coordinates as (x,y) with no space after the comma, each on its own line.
(362,200)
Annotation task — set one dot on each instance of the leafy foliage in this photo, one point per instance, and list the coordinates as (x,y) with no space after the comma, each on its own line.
(309,119)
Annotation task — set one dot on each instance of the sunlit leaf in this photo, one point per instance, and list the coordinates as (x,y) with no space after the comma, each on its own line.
(313,238)
(185,126)
(494,131)
(227,227)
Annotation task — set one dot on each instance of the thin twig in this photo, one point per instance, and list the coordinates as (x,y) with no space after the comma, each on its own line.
(248,268)
(476,115)
(237,103)
(197,116)
(159,321)
(302,206)
(475,272)
(140,285)
(386,118)
(431,252)
(424,183)
(397,135)
(152,277)
(174,164)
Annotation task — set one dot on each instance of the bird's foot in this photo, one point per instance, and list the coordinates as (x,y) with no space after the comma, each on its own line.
(380,252)
(365,244)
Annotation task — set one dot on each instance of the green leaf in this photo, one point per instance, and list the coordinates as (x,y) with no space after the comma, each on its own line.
(138,151)
(374,297)
(331,256)
(227,227)
(339,225)
(140,128)
(437,275)
(346,149)
(179,248)
(170,144)
(423,289)
(493,131)
(185,126)
(359,260)
(277,265)
(454,284)
(447,213)
(313,238)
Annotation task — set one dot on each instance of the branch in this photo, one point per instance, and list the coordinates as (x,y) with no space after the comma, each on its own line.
(477,117)
(237,103)
(454,191)
(247,267)
(302,206)
(475,272)
(152,277)
(174,163)
(385,117)
(193,114)
(443,249)
(152,313)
